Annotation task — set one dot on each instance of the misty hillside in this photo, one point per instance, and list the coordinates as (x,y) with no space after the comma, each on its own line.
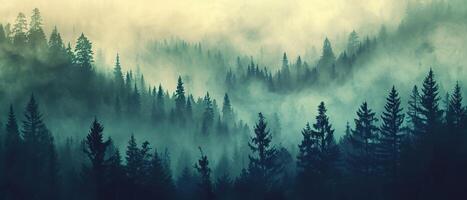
(363,115)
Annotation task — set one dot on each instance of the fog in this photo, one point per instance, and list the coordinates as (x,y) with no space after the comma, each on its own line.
(274,26)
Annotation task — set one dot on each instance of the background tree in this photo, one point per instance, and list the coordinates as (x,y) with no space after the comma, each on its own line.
(84,53)
(36,35)
(20,30)
(208,115)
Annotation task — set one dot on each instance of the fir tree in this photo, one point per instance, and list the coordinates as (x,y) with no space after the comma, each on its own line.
(353,43)
(118,75)
(455,114)
(95,150)
(40,154)
(161,179)
(364,138)
(13,154)
(205,185)
(390,140)
(227,111)
(56,45)
(36,36)
(180,100)
(263,166)
(84,53)
(414,112)
(19,31)
(208,115)
(431,114)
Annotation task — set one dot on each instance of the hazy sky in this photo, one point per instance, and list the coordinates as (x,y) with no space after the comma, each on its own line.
(288,25)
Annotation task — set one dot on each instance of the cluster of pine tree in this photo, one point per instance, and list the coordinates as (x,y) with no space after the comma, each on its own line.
(418,154)
(300,74)
(424,158)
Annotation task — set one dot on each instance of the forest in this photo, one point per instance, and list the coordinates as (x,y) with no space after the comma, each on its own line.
(72,127)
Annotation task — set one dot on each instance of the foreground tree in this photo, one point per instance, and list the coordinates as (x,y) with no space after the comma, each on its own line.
(95,149)
(205,185)
(40,154)
(390,142)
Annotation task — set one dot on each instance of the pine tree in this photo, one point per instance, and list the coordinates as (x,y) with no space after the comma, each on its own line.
(161,179)
(285,71)
(118,75)
(307,159)
(3,38)
(208,115)
(227,111)
(95,149)
(56,45)
(205,185)
(353,43)
(431,114)
(36,36)
(134,102)
(327,58)
(84,53)
(324,133)
(180,100)
(390,141)
(414,112)
(40,154)
(158,107)
(115,173)
(13,154)
(263,167)
(19,31)
(69,54)
(189,109)
(364,138)
(456,113)
(186,184)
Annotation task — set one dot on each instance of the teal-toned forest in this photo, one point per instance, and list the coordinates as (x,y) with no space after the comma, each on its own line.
(373,116)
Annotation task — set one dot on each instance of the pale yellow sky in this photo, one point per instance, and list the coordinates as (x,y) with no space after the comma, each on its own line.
(288,25)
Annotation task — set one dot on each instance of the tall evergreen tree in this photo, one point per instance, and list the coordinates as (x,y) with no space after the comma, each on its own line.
(353,43)
(36,35)
(208,115)
(431,114)
(84,53)
(56,45)
(263,166)
(161,182)
(118,75)
(390,141)
(205,185)
(327,57)
(180,100)
(95,149)
(40,154)
(324,133)
(19,31)
(11,163)
(364,139)
(227,111)
(456,113)
(3,38)
(307,161)
(414,112)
